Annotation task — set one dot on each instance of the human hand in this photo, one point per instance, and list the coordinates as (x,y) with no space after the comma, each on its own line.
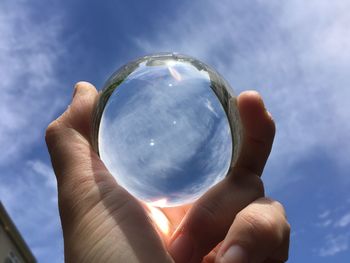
(102,222)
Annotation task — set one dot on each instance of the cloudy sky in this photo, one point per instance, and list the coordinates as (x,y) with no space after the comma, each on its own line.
(295,53)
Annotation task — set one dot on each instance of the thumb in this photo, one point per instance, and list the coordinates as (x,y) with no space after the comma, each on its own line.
(77,167)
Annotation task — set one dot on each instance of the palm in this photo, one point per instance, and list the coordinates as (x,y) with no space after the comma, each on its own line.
(173,215)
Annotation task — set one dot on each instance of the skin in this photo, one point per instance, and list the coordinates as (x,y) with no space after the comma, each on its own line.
(102,222)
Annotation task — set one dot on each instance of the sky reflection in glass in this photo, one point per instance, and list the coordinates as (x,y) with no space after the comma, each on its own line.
(163,133)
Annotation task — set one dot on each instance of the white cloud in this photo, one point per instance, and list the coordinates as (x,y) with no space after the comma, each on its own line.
(324,214)
(343,221)
(325,223)
(295,53)
(325,219)
(334,245)
(45,171)
(28,56)
(333,224)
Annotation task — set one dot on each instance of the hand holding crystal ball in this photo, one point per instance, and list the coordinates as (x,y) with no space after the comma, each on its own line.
(167,128)
(137,132)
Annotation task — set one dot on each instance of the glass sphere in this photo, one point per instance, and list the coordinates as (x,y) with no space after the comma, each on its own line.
(166,126)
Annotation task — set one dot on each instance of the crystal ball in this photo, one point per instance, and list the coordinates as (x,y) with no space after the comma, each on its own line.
(166,127)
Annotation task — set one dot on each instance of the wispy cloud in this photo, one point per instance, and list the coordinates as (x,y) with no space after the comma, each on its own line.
(30,96)
(334,245)
(334,227)
(324,214)
(28,57)
(343,221)
(45,171)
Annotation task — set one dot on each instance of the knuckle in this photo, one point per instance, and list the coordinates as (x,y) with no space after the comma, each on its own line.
(255,186)
(206,215)
(287,229)
(274,205)
(259,186)
(262,225)
(52,130)
(251,184)
(58,127)
(55,133)
(201,223)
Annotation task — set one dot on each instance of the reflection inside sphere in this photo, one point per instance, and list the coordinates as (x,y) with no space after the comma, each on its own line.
(161,129)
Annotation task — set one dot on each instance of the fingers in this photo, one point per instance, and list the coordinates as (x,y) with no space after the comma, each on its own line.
(259,233)
(211,216)
(68,136)
(258,133)
(208,221)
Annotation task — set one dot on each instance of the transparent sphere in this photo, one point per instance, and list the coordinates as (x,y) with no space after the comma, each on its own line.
(166,127)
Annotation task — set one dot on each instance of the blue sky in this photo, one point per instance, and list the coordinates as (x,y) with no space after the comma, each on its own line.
(295,53)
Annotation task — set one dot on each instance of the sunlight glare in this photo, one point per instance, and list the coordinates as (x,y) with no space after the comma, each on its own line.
(158,216)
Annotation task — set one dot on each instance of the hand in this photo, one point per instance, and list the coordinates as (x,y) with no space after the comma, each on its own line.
(102,222)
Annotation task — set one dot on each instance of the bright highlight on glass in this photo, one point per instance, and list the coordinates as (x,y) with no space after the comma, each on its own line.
(166,127)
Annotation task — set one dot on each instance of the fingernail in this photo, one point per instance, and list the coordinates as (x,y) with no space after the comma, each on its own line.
(234,254)
(181,249)
(269,114)
(75,90)
(79,88)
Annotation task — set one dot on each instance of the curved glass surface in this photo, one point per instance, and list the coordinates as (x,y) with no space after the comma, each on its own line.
(162,130)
